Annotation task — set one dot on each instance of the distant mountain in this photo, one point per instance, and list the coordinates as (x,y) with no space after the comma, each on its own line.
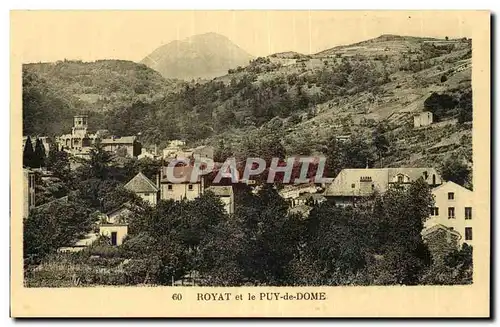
(201,56)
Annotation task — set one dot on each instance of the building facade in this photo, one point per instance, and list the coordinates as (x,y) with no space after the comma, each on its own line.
(80,141)
(423,119)
(453,208)
(181,188)
(115,232)
(144,188)
(353,184)
(128,144)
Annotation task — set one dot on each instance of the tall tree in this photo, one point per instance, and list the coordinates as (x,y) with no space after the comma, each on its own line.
(98,165)
(39,155)
(380,142)
(455,170)
(28,153)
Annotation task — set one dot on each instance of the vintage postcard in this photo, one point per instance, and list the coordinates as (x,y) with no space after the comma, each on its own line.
(250,164)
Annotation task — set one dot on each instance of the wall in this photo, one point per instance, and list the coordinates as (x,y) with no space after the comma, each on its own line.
(114,147)
(463,198)
(121,230)
(149,197)
(228,202)
(424,119)
(180,191)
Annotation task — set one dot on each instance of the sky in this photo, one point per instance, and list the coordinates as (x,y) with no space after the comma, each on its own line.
(49,36)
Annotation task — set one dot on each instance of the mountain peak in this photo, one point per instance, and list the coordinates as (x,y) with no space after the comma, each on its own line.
(206,55)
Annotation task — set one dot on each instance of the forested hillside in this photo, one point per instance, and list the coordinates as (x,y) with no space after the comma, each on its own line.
(301,102)
(53,92)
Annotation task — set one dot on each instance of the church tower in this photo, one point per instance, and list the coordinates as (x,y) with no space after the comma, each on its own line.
(80,124)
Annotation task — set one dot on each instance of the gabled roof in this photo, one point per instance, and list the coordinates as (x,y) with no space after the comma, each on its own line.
(415,173)
(141,184)
(435,228)
(122,207)
(450,183)
(342,185)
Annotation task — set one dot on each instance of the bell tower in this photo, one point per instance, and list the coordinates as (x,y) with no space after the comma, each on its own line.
(80,124)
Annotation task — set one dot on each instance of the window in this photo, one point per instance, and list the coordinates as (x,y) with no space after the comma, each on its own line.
(353,185)
(451,213)
(434,211)
(468,213)
(114,238)
(468,233)
(146,194)
(425,175)
(451,196)
(190,187)
(169,187)
(400,179)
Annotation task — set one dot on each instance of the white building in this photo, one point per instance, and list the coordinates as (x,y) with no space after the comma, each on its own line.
(182,187)
(422,119)
(144,188)
(454,209)
(352,184)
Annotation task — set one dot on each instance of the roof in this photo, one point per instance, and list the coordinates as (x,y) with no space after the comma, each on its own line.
(117,209)
(435,228)
(141,184)
(450,183)
(119,140)
(221,190)
(313,196)
(364,181)
(179,172)
(414,173)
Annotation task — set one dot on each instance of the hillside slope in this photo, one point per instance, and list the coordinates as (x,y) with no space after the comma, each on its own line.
(202,56)
(301,102)
(75,86)
(349,90)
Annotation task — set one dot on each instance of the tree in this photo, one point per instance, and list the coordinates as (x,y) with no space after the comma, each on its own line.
(39,156)
(28,154)
(336,244)
(439,105)
(465,107)
(456,269)
(455,170)
(58,163)
(52,226)
(271,237)
(400,219)
(380,142)
(98,163)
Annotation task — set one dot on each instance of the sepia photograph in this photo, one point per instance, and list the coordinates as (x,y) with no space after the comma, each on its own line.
(318,150)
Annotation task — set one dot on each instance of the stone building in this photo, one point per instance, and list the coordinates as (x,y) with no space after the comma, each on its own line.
(423,119)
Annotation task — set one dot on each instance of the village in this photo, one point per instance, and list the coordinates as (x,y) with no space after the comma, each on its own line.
(449,225)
